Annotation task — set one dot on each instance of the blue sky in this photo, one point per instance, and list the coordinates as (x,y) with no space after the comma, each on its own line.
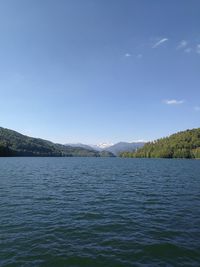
(97,71)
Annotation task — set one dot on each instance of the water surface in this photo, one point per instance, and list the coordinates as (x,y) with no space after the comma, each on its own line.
(99,212)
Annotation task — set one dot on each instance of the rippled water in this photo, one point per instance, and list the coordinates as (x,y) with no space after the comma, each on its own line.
(99,212)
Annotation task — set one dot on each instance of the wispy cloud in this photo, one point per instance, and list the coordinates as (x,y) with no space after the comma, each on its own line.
(127,55)
(197,108)
(198,49)
(188,50)
(163,40)
(139,56)
(173,102)
(182,44)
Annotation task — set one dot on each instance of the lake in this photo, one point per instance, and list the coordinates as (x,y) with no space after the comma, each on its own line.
(99,212)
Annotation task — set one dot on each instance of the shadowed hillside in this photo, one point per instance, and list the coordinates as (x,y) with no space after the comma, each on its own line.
(15,144)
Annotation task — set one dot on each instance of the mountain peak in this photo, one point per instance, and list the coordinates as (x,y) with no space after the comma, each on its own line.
(104,145)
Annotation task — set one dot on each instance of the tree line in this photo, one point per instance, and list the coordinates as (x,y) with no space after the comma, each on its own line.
(185,144)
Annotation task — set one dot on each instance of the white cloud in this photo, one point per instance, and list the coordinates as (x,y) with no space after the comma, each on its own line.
(197,108)
(198,49)
(182,44)
(127,55)
(160,42)
(173,102)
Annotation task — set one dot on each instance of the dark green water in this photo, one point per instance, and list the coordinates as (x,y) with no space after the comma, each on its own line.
(99,212)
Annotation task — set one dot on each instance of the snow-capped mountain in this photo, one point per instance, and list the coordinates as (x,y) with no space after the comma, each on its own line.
(102,146)
(116,149)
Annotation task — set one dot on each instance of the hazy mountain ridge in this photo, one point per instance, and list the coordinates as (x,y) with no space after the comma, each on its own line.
(125,146)
(80,145)
(116,149)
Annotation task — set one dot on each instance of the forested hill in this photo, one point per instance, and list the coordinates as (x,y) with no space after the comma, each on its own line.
(15,144)
(184,144)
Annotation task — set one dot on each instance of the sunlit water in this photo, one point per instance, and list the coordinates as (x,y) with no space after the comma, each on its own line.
(99,212)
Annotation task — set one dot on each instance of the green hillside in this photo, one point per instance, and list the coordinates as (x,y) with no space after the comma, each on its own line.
(184,144)
(15,144)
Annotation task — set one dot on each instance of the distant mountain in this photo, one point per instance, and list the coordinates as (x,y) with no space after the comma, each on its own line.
(96,148)
(116,149)
(102,146)
(120,147)
(13,143)
(81,145)
(185,144)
